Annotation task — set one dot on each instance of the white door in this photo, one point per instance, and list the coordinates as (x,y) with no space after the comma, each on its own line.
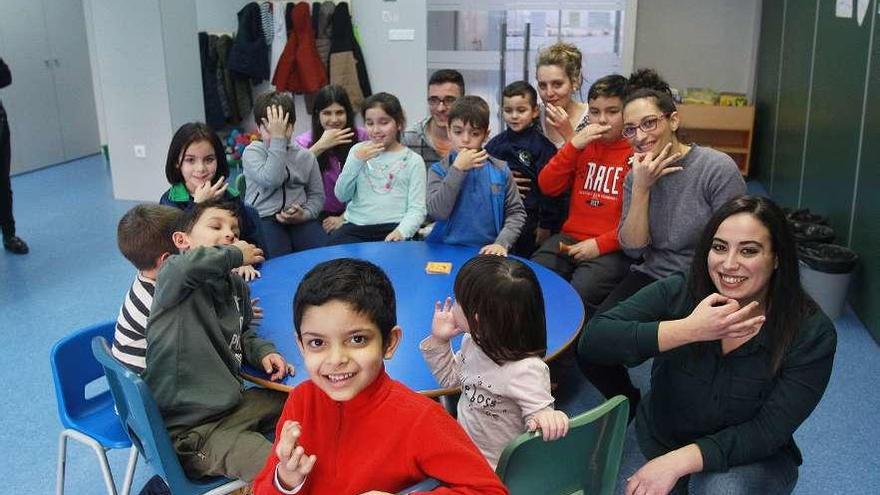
(73,77)
(30,101)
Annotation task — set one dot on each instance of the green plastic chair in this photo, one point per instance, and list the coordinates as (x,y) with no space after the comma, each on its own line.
(586,461)
(241,185)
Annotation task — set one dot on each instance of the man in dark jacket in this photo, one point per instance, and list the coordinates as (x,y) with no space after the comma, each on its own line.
(11,242)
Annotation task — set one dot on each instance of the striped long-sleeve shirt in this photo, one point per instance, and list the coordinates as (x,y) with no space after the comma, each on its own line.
(129,340)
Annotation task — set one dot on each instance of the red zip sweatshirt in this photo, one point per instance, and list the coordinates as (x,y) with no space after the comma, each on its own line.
(594,176)
(387,438)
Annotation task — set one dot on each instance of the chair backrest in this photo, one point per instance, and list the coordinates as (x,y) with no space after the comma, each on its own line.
(241,185)
(584,461)
(73,370)
(142,420)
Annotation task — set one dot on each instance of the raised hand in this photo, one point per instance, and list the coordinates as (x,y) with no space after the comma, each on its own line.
(276,122)
(468,159)
(557,118)
(648,168)
(332,138)
(443,325)
(589,134)
(369,150)
(293,463)
(251,254)
(208,191)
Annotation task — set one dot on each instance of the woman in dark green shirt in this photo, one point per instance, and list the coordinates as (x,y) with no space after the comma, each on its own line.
(741,354)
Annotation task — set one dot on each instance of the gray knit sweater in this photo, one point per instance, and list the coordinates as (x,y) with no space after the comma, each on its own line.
(680,205)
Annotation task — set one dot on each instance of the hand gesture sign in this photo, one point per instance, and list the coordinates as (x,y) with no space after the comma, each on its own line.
(468,159)
(443,325)
(332,138)
(208,191)
(717,317)
(276,122)
(557,118)
(369,150)
(589,134)
(293,463)
(648,168)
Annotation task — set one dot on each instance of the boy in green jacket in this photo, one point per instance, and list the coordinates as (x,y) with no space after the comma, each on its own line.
(198,335)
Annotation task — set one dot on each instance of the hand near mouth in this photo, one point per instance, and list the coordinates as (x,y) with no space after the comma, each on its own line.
(369,150)
(648,168)
(208,191)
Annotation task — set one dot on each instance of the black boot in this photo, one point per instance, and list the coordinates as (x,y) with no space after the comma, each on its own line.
(15,244)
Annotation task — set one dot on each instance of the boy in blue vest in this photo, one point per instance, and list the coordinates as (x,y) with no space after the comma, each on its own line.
(472,196)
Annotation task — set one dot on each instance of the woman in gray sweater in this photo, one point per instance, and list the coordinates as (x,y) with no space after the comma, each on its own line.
(669,195)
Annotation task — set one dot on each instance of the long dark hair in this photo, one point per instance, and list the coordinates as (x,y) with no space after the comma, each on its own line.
(504,306)
(326,96)
(787,304)
(186,135)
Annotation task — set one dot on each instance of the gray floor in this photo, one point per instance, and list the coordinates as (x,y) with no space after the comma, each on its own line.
(74,276)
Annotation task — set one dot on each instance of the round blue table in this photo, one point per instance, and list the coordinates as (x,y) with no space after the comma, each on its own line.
(416,292)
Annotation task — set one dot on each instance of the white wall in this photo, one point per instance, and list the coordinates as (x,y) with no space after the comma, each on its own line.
(397,67)
(148,67)
(700,43)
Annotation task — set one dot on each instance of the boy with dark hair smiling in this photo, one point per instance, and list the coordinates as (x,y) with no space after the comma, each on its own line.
(199,333)
(351,428)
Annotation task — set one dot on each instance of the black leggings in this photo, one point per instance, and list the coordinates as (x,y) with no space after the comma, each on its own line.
(614,379)
(6,221)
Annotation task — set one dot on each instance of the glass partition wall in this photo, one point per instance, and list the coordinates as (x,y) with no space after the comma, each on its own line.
(493,42)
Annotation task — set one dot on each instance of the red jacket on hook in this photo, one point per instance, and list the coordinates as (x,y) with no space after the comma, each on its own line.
(300,69)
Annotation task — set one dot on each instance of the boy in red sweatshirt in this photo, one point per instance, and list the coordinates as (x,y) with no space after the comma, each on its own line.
(351,429)
(592,166)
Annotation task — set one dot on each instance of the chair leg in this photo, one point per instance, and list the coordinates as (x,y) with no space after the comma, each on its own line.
(105,467)
(62,459)
(129,471)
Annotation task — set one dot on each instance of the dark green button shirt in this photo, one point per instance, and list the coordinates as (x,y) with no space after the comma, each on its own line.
(731,405)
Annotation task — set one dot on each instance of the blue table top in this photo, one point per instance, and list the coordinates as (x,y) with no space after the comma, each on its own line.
(416,292)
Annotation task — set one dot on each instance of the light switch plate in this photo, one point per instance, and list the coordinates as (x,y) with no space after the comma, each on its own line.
(401,34)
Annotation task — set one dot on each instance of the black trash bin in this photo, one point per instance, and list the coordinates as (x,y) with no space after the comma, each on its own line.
(826,270)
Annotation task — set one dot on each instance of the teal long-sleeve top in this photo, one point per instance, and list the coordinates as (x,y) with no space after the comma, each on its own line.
(733,407)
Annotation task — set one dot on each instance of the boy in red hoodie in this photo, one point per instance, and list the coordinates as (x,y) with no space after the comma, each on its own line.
(592,166)
(351,429)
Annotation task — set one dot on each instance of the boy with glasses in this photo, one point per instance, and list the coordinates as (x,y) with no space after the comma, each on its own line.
(430,137)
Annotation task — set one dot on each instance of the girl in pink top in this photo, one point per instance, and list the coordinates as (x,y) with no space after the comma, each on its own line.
(505,384)
(332,136)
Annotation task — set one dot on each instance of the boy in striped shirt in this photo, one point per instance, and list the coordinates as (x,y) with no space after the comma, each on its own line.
(144,238)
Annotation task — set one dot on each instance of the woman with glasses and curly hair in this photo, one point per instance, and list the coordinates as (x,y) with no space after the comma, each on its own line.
(668,196)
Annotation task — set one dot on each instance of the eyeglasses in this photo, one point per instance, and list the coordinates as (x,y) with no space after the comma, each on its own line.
(647,124)
(435,101)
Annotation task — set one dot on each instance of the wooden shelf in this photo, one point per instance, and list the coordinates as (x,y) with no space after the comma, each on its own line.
(727,129)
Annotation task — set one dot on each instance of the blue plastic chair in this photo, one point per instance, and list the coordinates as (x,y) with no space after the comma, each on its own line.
(140,415)
(586,461)
(90,420)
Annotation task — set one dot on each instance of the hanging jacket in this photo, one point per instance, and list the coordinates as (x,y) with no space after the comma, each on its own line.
(300,69)
(347,66)
(324,31)
(238,91)
(213,107)
(249,57)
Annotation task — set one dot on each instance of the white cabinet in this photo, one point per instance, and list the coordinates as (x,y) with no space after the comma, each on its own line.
(50,103)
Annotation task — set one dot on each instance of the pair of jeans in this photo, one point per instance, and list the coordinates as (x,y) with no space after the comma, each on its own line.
(281,239)
(775,475)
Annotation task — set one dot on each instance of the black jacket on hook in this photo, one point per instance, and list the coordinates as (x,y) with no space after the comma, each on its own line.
(347,66)
(249,57)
